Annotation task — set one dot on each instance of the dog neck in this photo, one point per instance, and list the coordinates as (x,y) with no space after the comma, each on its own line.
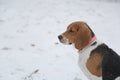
(91,42)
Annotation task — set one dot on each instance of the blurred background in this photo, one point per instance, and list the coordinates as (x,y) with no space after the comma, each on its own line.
(29,48)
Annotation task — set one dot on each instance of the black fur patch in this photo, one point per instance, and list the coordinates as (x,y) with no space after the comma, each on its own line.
(110,63)
(94,43)
(92,33)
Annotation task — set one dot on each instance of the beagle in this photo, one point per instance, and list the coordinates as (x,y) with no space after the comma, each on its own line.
(96,59)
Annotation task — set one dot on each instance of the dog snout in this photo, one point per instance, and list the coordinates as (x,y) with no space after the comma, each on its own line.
(60,37)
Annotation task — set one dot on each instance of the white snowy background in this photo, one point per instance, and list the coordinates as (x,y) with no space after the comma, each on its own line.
(29,48)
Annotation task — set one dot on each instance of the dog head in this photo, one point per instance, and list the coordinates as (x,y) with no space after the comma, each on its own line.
(77,33)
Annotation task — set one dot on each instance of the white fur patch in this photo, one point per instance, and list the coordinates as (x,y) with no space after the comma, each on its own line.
(83,57)
(118,78)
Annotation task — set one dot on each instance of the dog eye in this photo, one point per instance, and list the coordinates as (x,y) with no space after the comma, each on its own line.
(71,30)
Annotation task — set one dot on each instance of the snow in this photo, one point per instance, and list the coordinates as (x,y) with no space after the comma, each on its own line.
(29,48)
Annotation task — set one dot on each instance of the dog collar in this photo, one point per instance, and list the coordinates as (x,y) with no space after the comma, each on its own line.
(91,42)
(92,39)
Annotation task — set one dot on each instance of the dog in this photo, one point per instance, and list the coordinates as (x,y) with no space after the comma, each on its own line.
(96,60)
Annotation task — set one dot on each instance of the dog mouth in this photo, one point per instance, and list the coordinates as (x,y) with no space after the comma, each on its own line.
(70,43)
(64,40)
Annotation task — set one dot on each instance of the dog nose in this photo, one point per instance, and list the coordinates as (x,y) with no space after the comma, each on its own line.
(60,37)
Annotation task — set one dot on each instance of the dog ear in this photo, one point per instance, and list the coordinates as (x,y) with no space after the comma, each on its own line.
(83,37)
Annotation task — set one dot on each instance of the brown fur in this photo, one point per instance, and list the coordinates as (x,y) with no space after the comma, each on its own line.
(79,34)
(94,64)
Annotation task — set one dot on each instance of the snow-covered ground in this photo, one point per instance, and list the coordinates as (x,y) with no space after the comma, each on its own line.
(29,48)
